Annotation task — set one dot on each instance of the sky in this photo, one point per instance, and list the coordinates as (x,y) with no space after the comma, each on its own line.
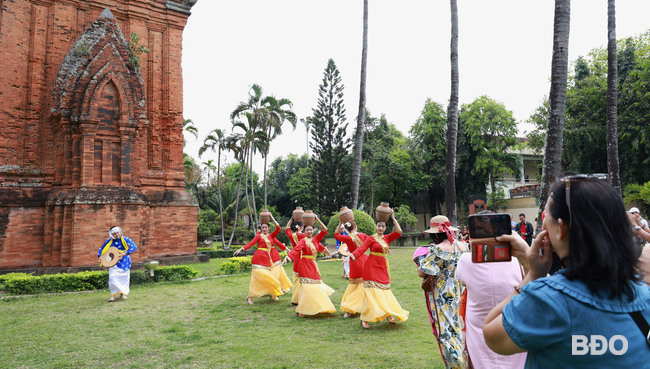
(504,48)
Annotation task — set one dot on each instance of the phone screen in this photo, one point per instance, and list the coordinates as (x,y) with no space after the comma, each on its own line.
(489,225)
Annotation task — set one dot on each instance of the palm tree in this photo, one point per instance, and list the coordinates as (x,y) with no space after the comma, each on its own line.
(612,96)
(236,144)
(361,118)
(189,126)
(452,118)
(215,142)
(557,100)
(277,114)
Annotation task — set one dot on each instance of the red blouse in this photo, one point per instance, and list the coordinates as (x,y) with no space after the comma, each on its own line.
(376,267)
(356,266)
(262,255)
(307,267)
(299,236)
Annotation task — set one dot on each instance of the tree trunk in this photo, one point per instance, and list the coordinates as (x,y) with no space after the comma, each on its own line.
(612,96)
(557,101)
(254,212)
(452,118)
(223,229)
(234,224)
(361,117)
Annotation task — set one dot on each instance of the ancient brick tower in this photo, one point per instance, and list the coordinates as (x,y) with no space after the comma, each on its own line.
(91,133)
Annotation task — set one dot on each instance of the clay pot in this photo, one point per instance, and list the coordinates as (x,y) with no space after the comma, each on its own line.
(383,212)
(308,218)
(265,216)
(297,214)
(346,215)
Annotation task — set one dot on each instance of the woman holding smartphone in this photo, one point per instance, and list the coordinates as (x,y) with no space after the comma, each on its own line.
(595,311)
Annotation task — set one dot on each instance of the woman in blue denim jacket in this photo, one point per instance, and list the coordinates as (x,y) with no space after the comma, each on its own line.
(584,315)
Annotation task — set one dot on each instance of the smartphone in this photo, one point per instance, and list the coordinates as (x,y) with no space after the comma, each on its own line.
(483,230)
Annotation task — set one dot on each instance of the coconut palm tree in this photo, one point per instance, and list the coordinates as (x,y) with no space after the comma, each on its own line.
(215,142)
(612,97)
(557,100)
(278,112)
(452,119)
(361,118)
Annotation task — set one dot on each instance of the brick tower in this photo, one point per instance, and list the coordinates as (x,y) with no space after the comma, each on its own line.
(91,131)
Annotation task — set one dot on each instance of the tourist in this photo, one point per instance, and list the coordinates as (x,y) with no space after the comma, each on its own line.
(379,303)
(524,229)
(352,301)
(486,284)
(314,294)
(119,275)
(444,291)
(262,283)
(594,312)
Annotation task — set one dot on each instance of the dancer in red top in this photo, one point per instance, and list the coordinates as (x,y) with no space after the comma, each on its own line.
(295,238)
(262,281)
(352,301)
(379,302)
(278,270)
(314,294)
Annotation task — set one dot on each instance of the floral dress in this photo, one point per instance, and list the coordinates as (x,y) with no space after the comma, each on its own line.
(443,304)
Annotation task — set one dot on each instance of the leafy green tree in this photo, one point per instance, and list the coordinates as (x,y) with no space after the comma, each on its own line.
(215,141)
(429,150)
(492,130)
(278,177)
(300,187)
(329,145)
(638,194)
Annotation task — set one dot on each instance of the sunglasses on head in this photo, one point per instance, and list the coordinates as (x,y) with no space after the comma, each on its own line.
(577,177)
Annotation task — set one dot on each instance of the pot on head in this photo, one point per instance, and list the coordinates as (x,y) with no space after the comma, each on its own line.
(383,212)
(297,214)
(308,218)
(265,216)
(346,215)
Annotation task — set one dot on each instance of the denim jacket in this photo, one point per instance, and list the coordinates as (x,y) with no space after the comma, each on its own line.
(562,324)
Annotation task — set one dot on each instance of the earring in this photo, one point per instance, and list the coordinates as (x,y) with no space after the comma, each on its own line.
(557,236)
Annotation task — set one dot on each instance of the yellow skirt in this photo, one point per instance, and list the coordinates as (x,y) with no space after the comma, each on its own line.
(263,283)
(279,274)
(378,304)
(314,299)
(352,301)
(296,288)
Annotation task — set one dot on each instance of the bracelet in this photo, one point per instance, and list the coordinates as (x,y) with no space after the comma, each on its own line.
(517,289)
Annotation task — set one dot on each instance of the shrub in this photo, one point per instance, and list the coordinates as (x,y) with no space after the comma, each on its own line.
(214,253)
(230,267)
(207,224)
(365,223)
(23,284)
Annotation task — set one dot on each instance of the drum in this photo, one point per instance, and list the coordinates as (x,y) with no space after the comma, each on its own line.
(110,257)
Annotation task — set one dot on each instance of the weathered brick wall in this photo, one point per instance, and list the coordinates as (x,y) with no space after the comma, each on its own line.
(81,153)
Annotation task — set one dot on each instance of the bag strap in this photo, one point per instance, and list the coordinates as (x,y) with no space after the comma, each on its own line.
(642,323)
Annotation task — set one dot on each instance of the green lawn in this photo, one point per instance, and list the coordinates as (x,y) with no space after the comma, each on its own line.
(207,324)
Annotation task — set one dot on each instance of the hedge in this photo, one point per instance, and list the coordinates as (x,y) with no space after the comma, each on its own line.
(236,264)
(215,253)
(23,284)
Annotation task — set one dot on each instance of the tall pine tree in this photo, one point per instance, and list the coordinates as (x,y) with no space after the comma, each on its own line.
(331,162)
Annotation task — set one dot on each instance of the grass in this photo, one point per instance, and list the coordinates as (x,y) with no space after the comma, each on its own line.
(207,324)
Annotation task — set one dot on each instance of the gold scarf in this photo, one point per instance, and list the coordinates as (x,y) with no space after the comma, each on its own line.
(268,247)
(314,252)
(295,239)
(384,249)
(357,241)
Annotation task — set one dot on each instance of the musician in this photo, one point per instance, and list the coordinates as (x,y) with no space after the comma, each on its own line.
(119,275)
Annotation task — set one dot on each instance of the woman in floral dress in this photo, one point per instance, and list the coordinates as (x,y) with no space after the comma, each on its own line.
(443,298)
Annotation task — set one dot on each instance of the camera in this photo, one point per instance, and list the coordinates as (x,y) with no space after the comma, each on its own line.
(483,231)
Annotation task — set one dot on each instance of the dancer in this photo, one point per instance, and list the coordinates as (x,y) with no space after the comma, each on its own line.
(278,270)
(119,275)
(379,302)
(352,301)
(314,294)
(295,238)
(262,281)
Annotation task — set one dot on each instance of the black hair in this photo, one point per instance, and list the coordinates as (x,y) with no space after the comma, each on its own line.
(296,226)
(522,215)
(438,237)
(601,247)
(351,227)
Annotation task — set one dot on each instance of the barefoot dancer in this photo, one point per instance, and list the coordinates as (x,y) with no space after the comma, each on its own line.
(262,281)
